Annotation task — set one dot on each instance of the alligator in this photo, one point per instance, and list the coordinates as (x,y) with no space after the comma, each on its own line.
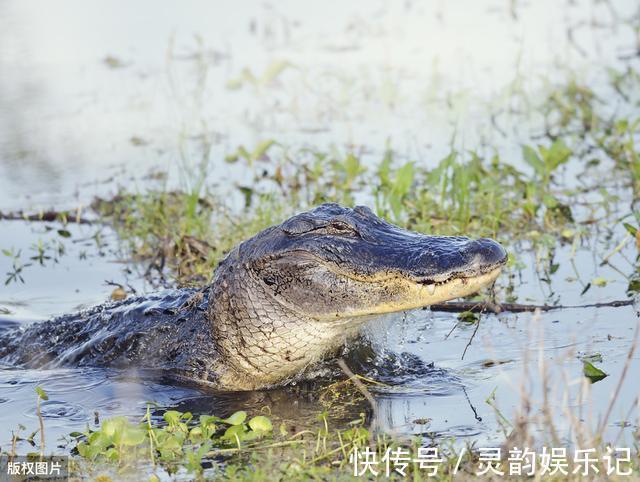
(278,303)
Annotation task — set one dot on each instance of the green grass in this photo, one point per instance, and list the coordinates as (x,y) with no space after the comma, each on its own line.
(463,194)
(169,230)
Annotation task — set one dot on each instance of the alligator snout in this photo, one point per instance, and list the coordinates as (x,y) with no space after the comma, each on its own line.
(486,253)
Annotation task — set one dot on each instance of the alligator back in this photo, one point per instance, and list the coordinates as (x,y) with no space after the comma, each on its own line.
(165,330)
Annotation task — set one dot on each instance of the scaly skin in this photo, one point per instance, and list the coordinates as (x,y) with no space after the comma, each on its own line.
(263,342)
(278,303)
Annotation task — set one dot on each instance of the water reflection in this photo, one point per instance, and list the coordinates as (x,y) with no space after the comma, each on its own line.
(80,82)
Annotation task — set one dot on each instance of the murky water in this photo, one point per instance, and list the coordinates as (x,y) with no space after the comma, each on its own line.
(97,96)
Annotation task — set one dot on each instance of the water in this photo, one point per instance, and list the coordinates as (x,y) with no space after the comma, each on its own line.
(97,96)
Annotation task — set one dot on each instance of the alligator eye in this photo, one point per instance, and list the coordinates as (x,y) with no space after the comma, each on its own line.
(342,228)
(269,280)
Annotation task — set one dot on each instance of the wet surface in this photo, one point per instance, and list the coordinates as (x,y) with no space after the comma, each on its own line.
(159,89)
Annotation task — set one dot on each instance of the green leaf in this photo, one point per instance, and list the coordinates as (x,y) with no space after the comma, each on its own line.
(206,420)
(383,171)
(274,70)
(112,454)
(592,358)
(64,233)
(260,423)
(231,432)
(242,152)
(100,439)
(237,418)
(246,76)
(112,426)
(83,449)
(557,154)
(404,179)
(231,158)
(195,434)
(468,317)
(247,192)
(352,166)
(252,435)
(634,286)
(599,282)
(593,373)
(132,436)
(261,149)
(170,446)
(630,228)
(41,393)
(531,157)
(172,417)
(549,201)
(88,451)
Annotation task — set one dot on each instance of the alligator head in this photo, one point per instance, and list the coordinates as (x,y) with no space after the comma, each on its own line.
(294,292)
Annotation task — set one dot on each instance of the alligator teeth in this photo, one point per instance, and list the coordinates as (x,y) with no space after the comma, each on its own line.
(431,288)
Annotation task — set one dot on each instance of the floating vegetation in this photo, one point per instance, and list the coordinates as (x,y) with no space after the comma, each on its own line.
(178,439)
(242,448)
(592,372)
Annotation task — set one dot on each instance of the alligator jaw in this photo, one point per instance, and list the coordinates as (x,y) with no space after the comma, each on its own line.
(457,287)
(418,294)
